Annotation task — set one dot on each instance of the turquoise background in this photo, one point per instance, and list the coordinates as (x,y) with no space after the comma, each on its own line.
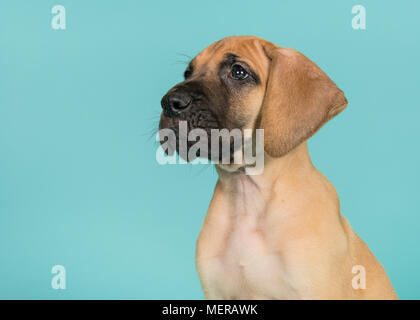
(79,183)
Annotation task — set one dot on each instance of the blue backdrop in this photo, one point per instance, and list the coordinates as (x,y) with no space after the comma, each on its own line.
(79,183)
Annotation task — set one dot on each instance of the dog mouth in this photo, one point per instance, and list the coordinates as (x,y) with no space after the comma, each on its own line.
(185,127)
(196,118)
(188,129)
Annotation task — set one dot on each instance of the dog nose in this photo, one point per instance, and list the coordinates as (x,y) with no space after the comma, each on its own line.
(175,102)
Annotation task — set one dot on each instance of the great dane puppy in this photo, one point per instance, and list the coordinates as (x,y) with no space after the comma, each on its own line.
(279,234)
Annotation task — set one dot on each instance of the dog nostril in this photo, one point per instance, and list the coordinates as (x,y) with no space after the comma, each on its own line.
(176,105)
(179,104)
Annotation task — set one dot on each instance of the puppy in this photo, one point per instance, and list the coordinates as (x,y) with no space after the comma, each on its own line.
(279,234)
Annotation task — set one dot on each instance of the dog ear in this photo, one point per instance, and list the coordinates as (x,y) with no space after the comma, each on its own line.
(299,99)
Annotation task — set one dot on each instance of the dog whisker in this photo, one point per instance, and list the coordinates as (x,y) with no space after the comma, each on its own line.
(184,54)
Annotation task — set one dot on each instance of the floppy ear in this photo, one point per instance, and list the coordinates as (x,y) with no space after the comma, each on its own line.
(299,99)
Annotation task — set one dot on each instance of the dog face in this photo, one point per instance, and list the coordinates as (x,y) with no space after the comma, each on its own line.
(246,82)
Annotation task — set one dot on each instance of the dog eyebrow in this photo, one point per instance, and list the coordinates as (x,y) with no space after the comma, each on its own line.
(229,59)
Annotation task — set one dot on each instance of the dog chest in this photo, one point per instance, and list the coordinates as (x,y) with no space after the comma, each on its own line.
(245,268)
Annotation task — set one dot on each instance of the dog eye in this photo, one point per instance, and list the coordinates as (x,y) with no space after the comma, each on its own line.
(187,73)
(238,72)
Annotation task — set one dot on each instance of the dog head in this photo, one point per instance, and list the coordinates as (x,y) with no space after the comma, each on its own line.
(245,82)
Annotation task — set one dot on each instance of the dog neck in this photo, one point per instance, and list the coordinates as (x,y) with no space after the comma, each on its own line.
(290,178)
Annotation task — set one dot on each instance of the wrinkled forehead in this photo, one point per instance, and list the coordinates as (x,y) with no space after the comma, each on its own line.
(246,48)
